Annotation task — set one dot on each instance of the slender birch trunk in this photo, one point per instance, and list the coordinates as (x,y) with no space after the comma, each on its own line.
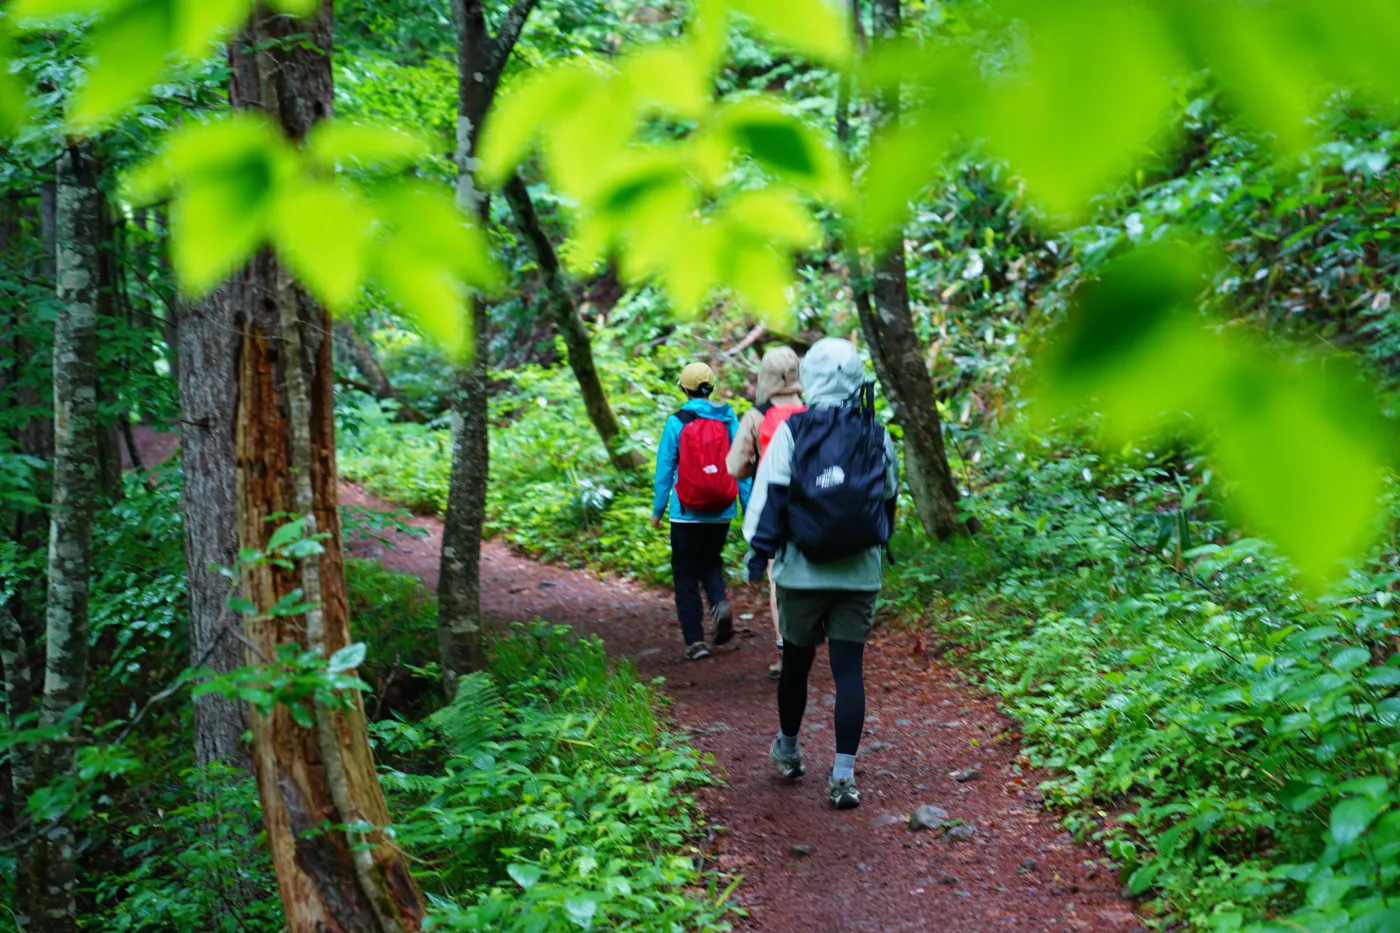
(75,481)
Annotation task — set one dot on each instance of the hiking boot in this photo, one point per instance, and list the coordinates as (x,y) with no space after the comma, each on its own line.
(697,651)
(789,766)
(843,793)
(775,670)
(724,622)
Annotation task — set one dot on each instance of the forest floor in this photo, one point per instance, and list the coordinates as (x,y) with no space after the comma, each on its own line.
(1006,865)
(806,867)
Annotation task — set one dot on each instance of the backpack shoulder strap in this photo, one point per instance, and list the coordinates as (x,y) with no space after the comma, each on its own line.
(685,417)
(765,408)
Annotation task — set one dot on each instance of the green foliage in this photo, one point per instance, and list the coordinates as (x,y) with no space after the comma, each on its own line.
(553,492)
(1164,668)
(563,803)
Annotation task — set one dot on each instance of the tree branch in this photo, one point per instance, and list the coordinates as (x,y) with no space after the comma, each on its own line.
(499,49)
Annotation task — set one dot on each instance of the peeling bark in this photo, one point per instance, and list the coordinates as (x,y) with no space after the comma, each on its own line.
(570,326)
(353,881)
(70,529)
(899,354)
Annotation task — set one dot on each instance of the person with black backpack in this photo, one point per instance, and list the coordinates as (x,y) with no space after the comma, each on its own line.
(822,510)
(694,486)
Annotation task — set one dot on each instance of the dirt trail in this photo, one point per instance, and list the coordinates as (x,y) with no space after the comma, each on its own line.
(865,870)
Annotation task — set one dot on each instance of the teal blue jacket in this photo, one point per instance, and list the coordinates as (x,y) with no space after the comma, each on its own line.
(668,459)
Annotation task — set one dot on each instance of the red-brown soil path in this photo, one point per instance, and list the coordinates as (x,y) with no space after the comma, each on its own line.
(865,870)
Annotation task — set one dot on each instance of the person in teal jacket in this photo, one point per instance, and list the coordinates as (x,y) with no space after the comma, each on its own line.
(697,539)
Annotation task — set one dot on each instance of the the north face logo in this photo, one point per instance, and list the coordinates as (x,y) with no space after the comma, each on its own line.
(831,476)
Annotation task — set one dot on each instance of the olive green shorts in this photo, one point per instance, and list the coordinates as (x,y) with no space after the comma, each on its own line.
(807,618)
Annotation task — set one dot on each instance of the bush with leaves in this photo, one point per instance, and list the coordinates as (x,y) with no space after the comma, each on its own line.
(563,802)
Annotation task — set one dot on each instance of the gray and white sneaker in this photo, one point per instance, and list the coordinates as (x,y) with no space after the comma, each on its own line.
(724,622)
(843,793)
(790,767)
(697,651)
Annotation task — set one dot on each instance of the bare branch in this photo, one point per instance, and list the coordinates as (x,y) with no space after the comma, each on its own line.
(498,53)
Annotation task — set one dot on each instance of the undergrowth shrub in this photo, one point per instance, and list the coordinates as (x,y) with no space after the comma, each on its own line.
(1231,741)
(562,802)
(553,493)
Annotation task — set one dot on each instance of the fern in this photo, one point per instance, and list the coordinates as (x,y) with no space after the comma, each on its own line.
(475,716)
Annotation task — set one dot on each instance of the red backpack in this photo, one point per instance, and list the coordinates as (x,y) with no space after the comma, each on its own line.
(703,483)
(773,415)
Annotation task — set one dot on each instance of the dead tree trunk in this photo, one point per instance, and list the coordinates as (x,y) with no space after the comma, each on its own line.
(323,807)
(570,327)
(898,353)
(480,59)
(52,859)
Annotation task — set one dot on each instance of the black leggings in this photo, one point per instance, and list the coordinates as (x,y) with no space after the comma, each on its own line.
(847,663)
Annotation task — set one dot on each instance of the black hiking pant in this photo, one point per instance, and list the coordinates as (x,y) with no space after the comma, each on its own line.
(697,560)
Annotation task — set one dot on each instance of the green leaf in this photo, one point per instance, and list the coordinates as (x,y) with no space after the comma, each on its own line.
(128,53)
(524,874)
(347,658)
(763,279)
(200,23)
(14,100)
(241,605)
(285,534)
(1142,879)
(1383,677)
(1350,658)
(381,145)
(30,13)
(1350,818)
(517,119)
(322,231)
(581,909)
(1374,786)
(297,7)
(816,28)
(785,146)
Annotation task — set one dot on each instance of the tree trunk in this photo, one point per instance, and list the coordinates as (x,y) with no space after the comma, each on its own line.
(899,354)
(70,529)
(480,59)
(208,379)
(570,326)
(373,374)
(323,807)
(18,772)
(109,451)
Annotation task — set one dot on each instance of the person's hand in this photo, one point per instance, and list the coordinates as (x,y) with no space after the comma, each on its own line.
(656,521)
(755,568)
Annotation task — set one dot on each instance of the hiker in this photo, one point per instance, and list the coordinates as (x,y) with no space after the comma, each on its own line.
(822,509)
(693,484)
(778,396)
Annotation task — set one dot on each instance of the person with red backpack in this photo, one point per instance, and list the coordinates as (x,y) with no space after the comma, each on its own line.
(778,397)
(693,485)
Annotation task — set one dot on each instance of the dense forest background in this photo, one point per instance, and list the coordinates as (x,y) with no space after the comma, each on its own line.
(1167,546)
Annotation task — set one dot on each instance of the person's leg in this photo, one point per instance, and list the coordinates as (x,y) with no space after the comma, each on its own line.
(685,569)
(775,669)
(847,669)
(792,691)
(711,565)
(710,560)
(851,616)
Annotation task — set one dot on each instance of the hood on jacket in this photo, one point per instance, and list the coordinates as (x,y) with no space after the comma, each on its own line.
(831,371)
(705,408)
(778,375)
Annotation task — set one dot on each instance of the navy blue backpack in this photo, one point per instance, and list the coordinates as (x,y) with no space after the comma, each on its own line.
(836,498)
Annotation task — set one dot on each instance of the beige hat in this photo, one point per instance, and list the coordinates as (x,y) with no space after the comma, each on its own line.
(696,375)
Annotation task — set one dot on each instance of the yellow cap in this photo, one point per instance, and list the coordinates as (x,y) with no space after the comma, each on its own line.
(696,375)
